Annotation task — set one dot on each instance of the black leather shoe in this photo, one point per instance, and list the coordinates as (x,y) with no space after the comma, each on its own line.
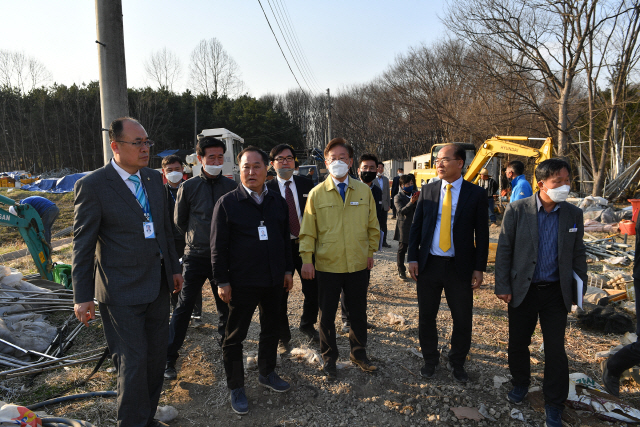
(402,275)
(458,372)
(170,372)
(386,245)
(330,370)
(311,333)
(611,383)
(428,370)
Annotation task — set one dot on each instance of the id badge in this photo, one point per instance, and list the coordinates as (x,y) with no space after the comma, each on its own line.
(262,233)
(149,231)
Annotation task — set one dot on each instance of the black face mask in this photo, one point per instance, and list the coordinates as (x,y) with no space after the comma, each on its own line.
(367,177)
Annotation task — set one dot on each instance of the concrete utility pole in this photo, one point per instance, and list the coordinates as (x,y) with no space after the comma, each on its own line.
(329,116)
(113,73)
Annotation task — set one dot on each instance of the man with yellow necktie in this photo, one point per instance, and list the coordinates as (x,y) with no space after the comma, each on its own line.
(448,249)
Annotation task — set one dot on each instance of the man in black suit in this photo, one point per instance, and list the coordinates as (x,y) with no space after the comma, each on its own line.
(295,191)
(405,203)
(450,214)
(395,188)
(252,267)
(129,270)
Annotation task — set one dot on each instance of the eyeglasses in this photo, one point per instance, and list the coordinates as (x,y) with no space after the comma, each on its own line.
(287,159)
(137,144)
(444,161)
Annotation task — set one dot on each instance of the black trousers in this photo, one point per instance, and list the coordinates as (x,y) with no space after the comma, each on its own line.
(309,306)
(244,300)
(393,206)
(137,339)
(629,355)
(196,271)
(402,252)
(440,273)
(547,304)
(383,225)
(354,285)
(197,309)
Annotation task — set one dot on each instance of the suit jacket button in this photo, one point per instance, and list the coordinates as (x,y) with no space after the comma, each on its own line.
(528,278)
(534,262)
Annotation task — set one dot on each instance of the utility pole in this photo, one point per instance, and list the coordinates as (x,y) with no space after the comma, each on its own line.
(111,62)
(328,117)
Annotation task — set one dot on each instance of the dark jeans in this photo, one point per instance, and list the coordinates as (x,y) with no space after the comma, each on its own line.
(629,355)
(309,306)
(354,285)
(492,213)
(137,339)
(48,218)
(195,271)
(244,300)
(547,304)
(402,252)
(440,273)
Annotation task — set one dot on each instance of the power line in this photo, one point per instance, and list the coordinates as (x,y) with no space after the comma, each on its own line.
(281,51)
(289,47)
(297,41)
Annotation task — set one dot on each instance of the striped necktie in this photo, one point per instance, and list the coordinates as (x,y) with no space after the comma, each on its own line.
(141,196)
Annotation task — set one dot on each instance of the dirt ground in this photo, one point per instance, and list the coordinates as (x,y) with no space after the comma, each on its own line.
(395,396)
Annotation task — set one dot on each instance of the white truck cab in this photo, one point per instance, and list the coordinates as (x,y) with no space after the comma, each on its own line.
(234,145)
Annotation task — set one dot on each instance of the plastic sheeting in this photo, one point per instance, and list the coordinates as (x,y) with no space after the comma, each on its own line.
(60,185)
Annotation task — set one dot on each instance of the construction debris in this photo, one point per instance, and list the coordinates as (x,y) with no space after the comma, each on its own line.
(600,249)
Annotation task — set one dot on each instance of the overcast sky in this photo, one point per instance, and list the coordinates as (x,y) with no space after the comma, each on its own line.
(345,41)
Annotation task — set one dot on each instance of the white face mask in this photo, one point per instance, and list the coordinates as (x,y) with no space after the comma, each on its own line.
(285,173)
(174,177)
(296,172)
(558,194)
(379,174)
(212,169)
(338,168)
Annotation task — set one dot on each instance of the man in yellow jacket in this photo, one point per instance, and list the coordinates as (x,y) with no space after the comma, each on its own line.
(340,227)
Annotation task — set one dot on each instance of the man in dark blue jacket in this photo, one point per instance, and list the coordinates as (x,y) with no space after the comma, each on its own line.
(252,266)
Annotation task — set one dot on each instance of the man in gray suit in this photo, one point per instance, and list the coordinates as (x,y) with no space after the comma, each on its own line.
(383,183)
(539,250)
(122,219)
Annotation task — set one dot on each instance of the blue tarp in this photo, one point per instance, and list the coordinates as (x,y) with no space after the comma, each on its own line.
(55,185)
(166,153)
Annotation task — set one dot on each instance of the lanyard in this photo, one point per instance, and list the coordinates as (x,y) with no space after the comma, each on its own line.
(146,209)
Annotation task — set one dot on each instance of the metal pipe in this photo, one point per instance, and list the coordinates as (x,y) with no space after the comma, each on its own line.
(51,362)
(37,353)
(50,368)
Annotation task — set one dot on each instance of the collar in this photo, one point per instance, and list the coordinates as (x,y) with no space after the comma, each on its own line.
(456,184)
(518,178)
(336,182)
(265,191)
(123,173)
(283,181)
(539,203)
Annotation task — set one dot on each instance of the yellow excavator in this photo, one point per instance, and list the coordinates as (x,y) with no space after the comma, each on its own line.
(488,150)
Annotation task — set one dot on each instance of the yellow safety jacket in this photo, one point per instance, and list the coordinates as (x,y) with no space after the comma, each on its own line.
(341,235)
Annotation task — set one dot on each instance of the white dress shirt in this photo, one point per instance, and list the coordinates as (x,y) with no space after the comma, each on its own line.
(125,176)
(336,182)
(255,196)
(455,193)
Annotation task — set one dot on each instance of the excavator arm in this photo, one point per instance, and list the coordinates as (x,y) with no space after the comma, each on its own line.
(504,145)
(32,231)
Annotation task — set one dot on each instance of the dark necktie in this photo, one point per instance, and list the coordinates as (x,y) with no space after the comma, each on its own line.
(294,224)
(343,190)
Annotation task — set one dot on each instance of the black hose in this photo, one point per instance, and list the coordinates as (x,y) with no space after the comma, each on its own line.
(61,422)
(72,397)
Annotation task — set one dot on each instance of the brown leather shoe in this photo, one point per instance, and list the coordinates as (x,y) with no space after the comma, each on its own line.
(364,364)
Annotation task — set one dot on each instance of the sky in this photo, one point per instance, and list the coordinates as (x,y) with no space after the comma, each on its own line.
(345,42)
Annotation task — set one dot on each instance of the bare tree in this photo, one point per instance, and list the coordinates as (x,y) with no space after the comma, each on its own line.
(163,68)
(19,71)
(213,71)
(541,41)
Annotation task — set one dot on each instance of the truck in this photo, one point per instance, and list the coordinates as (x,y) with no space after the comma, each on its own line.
(234,144)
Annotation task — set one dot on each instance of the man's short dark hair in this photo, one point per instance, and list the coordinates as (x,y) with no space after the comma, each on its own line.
(115,128)
(279,149)
(400,169)
(265,156)
(368,156)
(459,152)
(406,179)
(551,167)
(171,159)
(380,163)
(338,142)
(209,141)
(516,166)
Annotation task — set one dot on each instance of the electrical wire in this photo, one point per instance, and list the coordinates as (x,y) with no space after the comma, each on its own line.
(72,397)
(281,51)
(290,43)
